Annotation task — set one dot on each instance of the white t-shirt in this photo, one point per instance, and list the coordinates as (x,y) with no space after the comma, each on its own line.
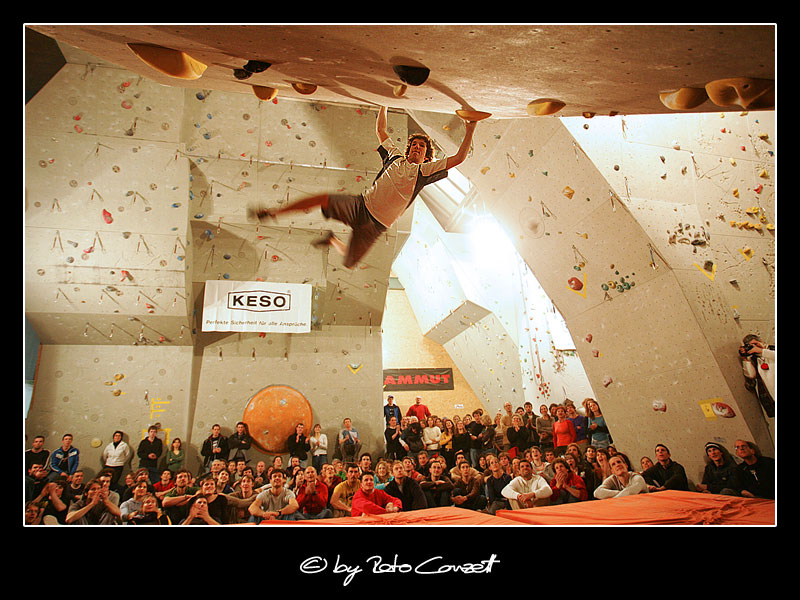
(389,197)
(520,485)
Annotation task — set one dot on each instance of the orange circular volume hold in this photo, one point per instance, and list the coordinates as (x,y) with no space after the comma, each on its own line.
(272,415)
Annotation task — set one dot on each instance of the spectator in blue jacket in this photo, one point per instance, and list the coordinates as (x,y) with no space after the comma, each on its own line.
(64,461)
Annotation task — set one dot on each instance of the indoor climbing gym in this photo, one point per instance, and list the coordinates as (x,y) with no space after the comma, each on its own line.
(495,275)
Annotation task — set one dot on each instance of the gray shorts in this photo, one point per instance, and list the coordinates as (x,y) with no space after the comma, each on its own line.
(351,210)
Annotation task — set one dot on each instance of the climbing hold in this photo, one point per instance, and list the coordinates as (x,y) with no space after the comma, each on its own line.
(722,410)
(575,283)
(607,381)
(747,92)
(568,192)
(257,66)
(472,115)
(169,61)
(588,338)
(412,75)
(265,93)
(304,88)
(544,106)
(400,90)
(685,98)
(659,406)
(107,216)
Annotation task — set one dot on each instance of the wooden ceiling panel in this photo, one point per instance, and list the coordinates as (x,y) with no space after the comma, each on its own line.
(500,69)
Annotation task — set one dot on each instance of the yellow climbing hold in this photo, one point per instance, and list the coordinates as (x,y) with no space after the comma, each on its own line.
(264,93)
(169,61)
(568,192)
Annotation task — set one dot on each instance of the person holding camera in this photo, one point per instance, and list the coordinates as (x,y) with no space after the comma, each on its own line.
(759,363)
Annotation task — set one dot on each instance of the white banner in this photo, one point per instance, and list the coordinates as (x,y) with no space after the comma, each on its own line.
(257,306)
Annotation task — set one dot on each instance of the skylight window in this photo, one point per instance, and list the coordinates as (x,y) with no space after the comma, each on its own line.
(447,198)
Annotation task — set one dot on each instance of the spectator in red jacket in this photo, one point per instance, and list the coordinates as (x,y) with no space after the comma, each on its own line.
(567,485)
(564,432)
(369,501)
(312,496)
(419,410)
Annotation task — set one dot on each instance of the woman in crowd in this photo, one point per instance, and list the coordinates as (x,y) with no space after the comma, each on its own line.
(563,431)
(383,475)
(604,467)
(499,433)
(461,439)
(596,425)
(544,427)
(431,436)
(175,455)
(446,442)
(318,443)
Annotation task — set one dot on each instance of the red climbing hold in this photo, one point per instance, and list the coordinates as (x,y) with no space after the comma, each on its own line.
(575,283)
(107,216)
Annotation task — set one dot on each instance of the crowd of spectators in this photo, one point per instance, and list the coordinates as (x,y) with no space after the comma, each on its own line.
(516,460)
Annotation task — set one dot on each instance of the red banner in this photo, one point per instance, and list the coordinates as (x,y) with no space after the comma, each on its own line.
(399,380)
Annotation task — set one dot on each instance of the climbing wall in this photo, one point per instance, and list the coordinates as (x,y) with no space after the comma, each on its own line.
(104,242)
(657,245)
(136,194)
(406,346)
(481,302)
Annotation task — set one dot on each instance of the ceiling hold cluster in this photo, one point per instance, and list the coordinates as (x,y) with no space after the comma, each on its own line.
(745,92)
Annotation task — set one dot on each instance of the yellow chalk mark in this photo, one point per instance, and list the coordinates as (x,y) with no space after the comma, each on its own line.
(582,291)
(711,275)
(706,407)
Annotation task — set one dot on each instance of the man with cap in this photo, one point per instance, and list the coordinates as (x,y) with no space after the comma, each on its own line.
(666,474)
(390,409)
(721,475)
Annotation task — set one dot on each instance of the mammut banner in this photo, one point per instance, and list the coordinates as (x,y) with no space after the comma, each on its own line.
(399,380)
(256,306)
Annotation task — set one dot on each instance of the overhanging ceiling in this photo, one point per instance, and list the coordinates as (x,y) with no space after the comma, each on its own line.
(598,69)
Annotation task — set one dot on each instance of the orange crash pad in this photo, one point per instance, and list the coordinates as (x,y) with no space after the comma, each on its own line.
(659,508)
